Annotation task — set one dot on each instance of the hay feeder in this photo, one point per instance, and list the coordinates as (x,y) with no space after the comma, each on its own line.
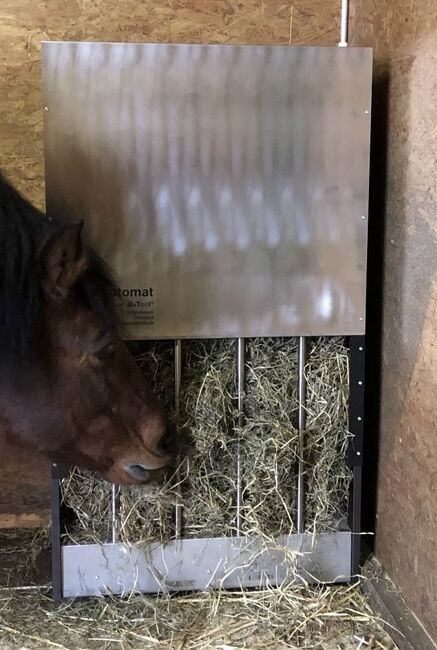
(227,186)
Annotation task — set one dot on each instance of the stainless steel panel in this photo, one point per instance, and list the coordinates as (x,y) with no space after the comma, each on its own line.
(198,564)
(226,185)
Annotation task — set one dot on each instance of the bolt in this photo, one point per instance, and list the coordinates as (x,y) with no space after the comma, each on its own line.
(360,383)
(360,348)
(97,577)
(361,318)
(46,108)
(363,216)
(359,419)
(358,453)
(55,464)
(366,112)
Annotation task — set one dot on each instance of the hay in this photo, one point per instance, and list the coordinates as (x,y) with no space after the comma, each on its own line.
(323,617)
(20,553)
(89,498)
(268,441)
(207,420)
(269,438)
(328,476)
(147,513)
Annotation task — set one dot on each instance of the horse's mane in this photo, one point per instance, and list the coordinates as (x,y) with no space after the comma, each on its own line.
(23,228)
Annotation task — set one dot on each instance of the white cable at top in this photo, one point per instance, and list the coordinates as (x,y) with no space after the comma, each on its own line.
(344,23)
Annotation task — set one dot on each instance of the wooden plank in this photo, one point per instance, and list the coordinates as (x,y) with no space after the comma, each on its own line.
(29,520)
(403,268)
(387,601)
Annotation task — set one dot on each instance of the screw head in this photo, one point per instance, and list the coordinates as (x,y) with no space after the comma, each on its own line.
(359,418)
(358,453)
(46,108)
(360,383)
(360,348)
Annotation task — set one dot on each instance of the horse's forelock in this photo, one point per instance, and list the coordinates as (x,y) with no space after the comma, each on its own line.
(23,228)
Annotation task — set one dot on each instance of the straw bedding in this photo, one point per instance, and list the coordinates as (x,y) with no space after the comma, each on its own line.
(324,618)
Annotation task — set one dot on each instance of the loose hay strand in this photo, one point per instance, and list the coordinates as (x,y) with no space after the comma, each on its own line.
(282,618)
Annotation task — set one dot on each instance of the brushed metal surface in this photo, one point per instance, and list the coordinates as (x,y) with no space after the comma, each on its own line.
(229,562)
(228,185)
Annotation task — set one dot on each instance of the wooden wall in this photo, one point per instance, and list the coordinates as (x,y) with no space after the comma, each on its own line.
(24,23)
(404,219)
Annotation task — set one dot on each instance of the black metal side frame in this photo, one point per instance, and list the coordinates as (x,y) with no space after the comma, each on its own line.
(355,450)
(58,472)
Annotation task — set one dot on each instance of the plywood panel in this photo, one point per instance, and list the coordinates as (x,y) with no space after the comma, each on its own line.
(25,23)
(404,36)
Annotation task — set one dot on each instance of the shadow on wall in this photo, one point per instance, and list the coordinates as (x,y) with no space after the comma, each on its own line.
(375,274)
(401,266)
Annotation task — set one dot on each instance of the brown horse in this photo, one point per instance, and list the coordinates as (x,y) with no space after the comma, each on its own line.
(68,385)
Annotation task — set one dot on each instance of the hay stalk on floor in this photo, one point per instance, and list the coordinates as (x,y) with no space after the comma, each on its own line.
(283,618)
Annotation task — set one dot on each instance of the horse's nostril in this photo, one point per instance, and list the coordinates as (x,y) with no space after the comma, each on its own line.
(138,472)
(162,448)
(167,444)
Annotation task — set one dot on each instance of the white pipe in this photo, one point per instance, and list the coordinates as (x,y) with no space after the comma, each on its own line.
(344,23)
(115,501)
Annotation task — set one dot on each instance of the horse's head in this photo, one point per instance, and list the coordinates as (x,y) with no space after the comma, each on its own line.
(77,396)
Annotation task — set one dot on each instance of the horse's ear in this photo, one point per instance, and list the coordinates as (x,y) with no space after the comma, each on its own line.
(63,260)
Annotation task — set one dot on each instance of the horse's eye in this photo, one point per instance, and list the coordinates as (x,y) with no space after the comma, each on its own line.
(103,346)
(106,352)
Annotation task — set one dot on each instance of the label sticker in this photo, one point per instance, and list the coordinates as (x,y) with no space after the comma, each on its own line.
(136,305)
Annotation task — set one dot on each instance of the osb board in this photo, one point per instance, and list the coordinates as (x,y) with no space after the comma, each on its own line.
(406,56)
(392,27)
(24,23)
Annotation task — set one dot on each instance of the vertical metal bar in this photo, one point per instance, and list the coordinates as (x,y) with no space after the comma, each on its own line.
(301,424)
(178,377)
(115,504)
(344,22)
(241,375)
(56,533)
